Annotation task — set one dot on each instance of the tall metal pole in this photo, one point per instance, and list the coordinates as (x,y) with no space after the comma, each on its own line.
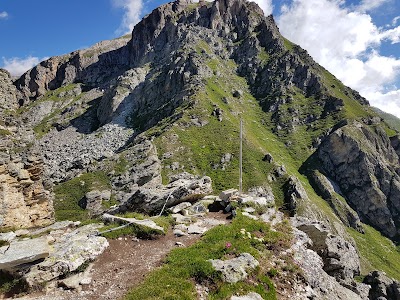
(240,156)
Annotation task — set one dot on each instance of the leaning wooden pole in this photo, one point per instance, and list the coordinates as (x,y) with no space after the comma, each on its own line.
(240,157)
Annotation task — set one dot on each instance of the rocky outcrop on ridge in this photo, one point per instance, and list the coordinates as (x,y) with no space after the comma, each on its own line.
(361,160)
(8,99)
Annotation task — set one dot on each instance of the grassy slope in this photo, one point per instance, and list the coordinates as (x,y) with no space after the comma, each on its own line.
(185,266)
(199,148)
(393,121)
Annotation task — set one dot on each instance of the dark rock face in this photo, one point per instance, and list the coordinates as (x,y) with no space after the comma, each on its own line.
(332,195)
(382,287)
(361,160)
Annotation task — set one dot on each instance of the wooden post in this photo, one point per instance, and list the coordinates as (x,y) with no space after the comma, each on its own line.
(240,156)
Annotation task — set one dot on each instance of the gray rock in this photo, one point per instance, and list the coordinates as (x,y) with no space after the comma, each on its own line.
(250,296)
(321,284)
(179,233)
(226,195)
(340,258)
(361,160)
(235,269)
(196,229)
(69,252)
(146,223)
(182,188)
(178,208)
(23,252)
(294,194)
(331,193)
(7,236)
(382,287)
(93,201)
(197,208)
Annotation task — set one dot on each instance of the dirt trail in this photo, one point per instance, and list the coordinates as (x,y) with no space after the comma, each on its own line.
(123,265)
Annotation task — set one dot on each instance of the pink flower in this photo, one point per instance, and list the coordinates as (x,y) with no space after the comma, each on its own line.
(228,245)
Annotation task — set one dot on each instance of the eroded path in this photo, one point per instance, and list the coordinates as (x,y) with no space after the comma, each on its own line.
(124,264)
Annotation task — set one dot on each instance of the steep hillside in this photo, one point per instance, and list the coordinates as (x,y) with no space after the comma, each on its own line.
(156,114)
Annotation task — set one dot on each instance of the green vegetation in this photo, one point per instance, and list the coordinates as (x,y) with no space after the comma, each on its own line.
(288,44)
(68,194)
(185,266)
(4,132)
(11,285)
(377,252)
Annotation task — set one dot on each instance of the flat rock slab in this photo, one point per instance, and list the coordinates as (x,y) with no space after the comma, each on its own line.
(195,229)
(235,269)
(23,252)
(55,226)
(145,223)
(250,296)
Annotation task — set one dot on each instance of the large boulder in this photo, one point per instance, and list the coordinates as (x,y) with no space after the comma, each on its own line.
(69,252)
(183,187)
(235,269)
(320,285)
(340,258)
(362,161)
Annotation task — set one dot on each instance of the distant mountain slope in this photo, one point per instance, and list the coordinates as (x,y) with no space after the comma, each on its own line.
(393,121)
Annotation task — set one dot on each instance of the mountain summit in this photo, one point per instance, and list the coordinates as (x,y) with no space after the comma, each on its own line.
(156,114)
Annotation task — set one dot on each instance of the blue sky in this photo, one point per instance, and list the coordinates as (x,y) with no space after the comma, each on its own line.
(357,40)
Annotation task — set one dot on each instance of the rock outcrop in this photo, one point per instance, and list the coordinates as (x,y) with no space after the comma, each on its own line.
(8,98)
(329,262)
(183,187)
(382,287)
(25,201)
(362,162)
(235,269)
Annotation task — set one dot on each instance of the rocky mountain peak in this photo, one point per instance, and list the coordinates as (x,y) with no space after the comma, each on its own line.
(163,29)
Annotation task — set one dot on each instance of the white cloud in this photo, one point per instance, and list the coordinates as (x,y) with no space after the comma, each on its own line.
(395,20)
(3,15)
(17,66)
(368,5)
(346,42)
(133,11)
(392,34)
(266,6)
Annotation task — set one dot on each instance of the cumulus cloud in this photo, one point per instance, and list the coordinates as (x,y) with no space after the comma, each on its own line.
(3,15)
(17,66)
(346,42)
(266,6)
(133,11)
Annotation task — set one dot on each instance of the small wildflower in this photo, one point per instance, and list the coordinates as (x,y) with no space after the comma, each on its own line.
(228,245)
